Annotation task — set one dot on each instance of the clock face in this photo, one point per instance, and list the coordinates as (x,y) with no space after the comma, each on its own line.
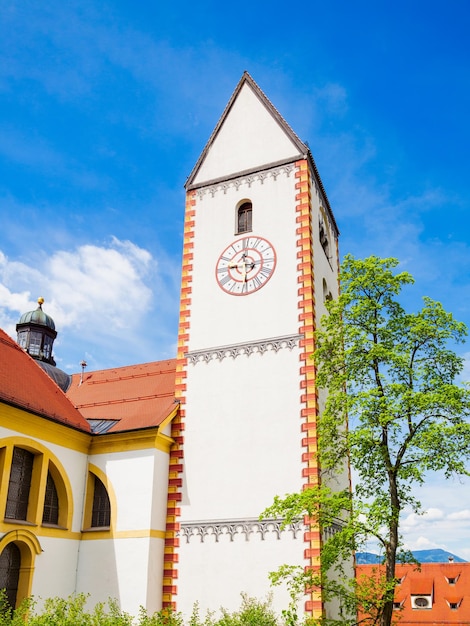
(245,266)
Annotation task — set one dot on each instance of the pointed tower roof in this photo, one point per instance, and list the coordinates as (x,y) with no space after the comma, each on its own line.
(251,135)
(250,131)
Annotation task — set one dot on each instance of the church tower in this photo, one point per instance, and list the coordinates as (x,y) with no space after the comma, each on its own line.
(260,258)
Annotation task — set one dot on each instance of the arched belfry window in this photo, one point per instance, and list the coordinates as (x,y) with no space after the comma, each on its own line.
(326,292)
(323,235)
(244,217)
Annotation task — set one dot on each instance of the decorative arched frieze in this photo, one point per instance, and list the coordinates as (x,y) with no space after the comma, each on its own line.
(273,344)
(245,179)
(234,527)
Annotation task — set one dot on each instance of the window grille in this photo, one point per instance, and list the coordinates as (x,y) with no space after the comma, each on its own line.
(101,513)
(51,502)
(20,484)
(10,562)
(245,217)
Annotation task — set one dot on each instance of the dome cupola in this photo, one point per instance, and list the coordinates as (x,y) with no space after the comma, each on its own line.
(36,334)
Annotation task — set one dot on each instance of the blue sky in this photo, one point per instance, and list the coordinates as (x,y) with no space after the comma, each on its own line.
(105,107)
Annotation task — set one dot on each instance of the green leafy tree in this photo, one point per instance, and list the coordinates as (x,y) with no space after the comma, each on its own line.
(391,375)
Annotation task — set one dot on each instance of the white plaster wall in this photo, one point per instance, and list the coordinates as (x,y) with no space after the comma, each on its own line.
(218,318)
(140,573)
(249,137)
(55,568)
(126,569)
(139,479)
(160,491)
(326,269)
(242,567)
(243,434)
(130,569)
(75,465)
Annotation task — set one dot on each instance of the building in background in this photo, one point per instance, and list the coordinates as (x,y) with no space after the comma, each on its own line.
(431,593)
(145,483)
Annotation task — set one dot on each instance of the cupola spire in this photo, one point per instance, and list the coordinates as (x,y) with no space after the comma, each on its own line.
(36,334)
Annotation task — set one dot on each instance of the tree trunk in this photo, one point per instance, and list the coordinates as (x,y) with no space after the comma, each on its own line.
(391,553)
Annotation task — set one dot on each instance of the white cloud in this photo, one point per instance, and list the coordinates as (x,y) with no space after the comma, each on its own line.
(412,521)
(95,283)
(438,528)
(460,515)
(422,543)
(82,285)
(99,298)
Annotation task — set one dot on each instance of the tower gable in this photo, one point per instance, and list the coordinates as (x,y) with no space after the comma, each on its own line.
(250,135)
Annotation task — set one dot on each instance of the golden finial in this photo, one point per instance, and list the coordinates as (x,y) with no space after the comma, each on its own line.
(40,301)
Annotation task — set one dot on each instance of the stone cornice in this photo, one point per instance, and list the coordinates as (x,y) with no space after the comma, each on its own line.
(273,344)
(245,178)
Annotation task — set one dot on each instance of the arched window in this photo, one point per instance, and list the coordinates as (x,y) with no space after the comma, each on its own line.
(50,513)
(18,551)
(10,564)
(244,217)
(101,512)
(37,488)
(325,244)
(326,292)
(20,484)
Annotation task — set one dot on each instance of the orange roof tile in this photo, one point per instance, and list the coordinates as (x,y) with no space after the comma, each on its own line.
(24,384)
(421,586)
(139,396)
(430,579)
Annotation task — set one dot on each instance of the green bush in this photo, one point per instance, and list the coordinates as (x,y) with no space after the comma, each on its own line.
(72,611)
(252,613)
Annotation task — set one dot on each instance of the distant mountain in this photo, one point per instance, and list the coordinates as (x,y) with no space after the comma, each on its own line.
(422,556)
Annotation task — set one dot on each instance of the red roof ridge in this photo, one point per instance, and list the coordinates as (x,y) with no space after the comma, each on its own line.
(130,377)
(171,364)
(124,400)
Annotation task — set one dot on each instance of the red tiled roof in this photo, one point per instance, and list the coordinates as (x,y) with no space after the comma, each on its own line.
(24,384)
(430,579)
(139,396)
(421,586)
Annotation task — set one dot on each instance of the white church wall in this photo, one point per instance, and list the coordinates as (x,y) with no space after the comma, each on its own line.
(129,571)
(244,565)
(55,569)
(140,482)
(125,569)
(130,566)
(250,433)
(139,479)
(269,312)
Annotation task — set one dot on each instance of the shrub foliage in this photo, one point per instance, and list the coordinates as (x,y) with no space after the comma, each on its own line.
(74,611)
